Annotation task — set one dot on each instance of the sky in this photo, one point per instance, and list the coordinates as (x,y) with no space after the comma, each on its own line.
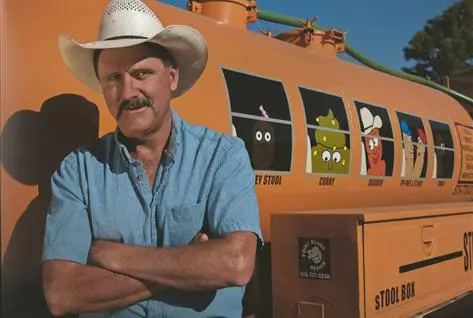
(377,29)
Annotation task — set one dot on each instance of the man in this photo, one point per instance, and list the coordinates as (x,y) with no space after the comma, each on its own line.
(160,218)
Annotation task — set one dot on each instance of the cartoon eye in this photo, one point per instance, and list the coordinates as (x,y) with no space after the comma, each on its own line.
(259,135)
(376,142)
(267,136)
(326,156)
(336,157)
(371,144)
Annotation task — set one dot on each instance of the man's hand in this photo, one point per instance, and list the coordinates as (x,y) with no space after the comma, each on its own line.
(105,254)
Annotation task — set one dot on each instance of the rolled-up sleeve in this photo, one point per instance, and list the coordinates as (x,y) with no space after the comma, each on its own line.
(67,229)
(233,205)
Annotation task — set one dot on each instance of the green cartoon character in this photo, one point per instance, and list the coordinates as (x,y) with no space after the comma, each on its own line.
(330,154)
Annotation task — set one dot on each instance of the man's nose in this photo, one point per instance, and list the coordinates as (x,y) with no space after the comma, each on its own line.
(129,87)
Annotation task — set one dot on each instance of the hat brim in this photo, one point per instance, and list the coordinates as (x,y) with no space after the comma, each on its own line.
(185,44)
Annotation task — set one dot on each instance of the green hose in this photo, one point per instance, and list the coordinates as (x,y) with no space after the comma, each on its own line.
(300,23)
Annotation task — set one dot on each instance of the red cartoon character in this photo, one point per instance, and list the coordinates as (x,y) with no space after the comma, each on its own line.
(373,145)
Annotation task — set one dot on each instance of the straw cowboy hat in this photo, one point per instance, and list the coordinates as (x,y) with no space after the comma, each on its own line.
(130,22)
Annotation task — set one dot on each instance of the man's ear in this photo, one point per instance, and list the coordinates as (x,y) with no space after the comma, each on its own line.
(173,78)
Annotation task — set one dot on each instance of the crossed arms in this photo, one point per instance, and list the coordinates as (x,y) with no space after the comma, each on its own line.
(127,274)
(117,275)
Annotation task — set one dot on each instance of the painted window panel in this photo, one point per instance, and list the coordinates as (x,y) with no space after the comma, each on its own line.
(414,146)
(377,143)
(318,104)
(328,138)
(268,143)
(248,92)
(441,134)
(443,150)
(261,117)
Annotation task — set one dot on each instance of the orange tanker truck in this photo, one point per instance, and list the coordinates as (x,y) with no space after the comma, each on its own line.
(364,179)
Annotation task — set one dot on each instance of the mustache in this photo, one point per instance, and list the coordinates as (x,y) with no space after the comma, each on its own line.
(135,102)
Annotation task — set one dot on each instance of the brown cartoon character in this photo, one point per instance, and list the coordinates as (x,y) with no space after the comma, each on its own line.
(263,138)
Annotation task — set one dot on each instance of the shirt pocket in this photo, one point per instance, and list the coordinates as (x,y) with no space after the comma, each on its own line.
(185,222)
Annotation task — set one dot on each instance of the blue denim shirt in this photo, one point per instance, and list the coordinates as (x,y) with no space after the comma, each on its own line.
(102,193)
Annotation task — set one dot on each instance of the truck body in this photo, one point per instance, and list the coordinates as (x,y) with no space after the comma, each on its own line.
(364,180)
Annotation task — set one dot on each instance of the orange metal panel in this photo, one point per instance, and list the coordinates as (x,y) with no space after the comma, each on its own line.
(413,265)
(404,263)
(315,265)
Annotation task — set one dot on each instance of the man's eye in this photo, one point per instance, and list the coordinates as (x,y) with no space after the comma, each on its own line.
(141,74)
(113,77)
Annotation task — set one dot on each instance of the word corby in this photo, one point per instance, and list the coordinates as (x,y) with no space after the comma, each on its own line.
(327,181)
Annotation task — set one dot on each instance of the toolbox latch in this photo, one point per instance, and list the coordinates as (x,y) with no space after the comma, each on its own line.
(427,237)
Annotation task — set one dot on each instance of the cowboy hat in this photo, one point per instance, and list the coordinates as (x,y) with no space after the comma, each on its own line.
(130,22)
(369,123)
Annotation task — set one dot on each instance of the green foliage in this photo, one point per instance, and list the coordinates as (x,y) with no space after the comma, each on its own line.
(445,46)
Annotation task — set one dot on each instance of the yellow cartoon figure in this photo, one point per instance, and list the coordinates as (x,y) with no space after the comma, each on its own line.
(330,153)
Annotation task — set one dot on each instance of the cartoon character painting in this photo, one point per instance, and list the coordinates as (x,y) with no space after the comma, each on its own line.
(413,151)
(330,153)
(420,154)
(263,138)
(373,145)
(442,168)
(408,151)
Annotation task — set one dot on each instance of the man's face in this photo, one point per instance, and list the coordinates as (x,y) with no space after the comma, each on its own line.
(137,87)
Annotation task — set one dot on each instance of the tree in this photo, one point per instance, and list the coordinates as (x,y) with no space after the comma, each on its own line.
(445,46)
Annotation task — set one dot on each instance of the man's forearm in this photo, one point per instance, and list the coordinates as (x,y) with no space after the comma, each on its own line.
(75,288)
(211,265)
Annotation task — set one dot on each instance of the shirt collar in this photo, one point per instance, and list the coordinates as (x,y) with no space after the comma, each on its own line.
(171,150)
